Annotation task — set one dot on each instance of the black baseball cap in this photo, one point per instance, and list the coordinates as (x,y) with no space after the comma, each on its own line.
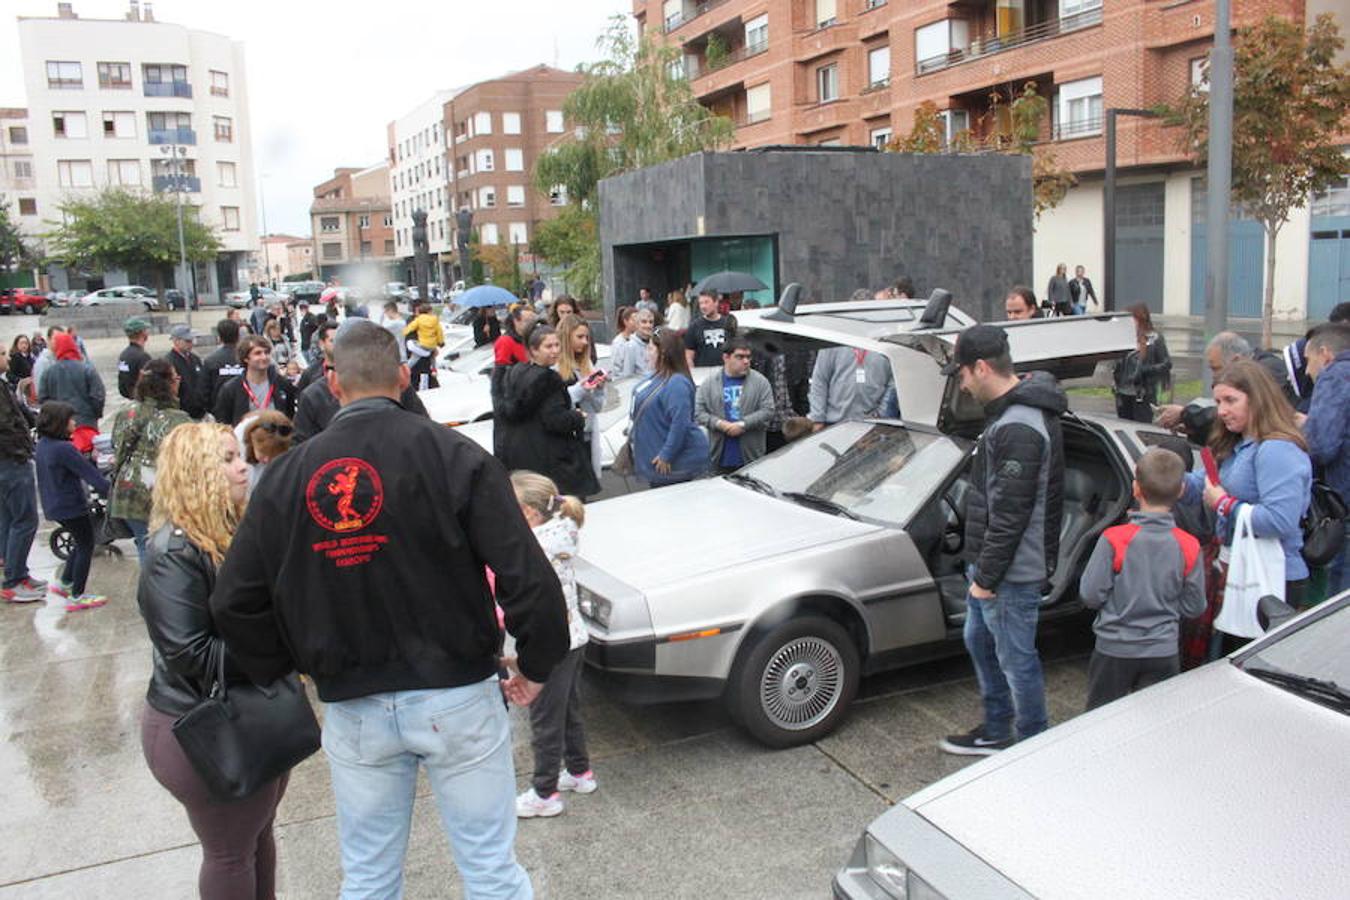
(975,343)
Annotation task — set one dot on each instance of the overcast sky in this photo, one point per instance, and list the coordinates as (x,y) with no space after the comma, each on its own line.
(325,78)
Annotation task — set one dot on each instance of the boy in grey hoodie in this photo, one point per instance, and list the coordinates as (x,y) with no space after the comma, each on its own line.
(1143,576)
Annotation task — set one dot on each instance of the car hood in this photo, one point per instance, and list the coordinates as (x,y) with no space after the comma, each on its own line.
(1212,784)
(460,398)
(720,525)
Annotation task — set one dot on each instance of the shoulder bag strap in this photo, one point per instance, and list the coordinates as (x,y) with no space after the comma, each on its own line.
(648,399)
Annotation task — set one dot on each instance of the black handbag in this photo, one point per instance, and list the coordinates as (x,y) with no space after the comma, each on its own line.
(1323,525)
(242,737)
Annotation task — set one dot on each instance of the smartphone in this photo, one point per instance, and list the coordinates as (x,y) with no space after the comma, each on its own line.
(595,377)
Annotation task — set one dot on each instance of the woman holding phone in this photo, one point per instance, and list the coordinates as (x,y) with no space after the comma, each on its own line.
(585,383)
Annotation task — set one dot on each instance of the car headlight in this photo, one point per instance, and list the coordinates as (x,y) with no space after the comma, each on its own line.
(593,606)
(893,877)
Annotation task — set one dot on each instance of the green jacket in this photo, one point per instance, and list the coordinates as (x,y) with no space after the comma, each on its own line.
(137,433)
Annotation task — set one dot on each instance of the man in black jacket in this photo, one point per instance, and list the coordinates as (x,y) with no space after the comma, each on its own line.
(221,364)
(188,365)
(260,386)
(361,563)
(133,356)
(323,347)
(318,404)
(1012,535)
(309,323)
(18,496)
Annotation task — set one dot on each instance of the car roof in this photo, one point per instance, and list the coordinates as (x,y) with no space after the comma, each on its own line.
(858,318)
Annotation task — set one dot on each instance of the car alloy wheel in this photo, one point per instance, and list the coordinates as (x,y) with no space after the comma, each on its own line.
(801,684)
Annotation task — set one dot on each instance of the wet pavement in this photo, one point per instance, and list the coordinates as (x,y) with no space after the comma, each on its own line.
(688,806)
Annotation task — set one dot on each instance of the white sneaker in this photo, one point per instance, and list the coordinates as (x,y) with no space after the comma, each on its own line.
(580,784)
(529,805)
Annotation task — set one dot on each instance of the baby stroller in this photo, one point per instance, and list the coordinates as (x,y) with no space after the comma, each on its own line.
(106,530)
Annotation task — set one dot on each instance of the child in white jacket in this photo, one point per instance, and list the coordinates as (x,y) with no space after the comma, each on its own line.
(555,715)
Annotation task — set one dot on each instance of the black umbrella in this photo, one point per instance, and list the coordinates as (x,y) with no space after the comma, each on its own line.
(730,283)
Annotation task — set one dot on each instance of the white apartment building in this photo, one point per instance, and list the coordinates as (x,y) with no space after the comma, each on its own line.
(16,170)
(419,178)
(108,103)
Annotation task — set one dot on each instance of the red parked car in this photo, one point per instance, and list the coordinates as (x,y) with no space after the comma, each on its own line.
(23,300)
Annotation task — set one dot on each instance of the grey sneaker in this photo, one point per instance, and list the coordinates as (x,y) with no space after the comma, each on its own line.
(30,590)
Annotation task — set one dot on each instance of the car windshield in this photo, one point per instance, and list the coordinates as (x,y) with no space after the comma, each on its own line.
(1309,659)
(871,470)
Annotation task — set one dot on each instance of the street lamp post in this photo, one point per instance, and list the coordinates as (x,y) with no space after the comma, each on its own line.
(176,153)
(267,248)
(1219,175)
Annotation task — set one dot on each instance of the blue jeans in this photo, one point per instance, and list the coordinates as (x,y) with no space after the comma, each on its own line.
(139,528)
(1000,636)
(374,745)
(18,517)
(1338,573)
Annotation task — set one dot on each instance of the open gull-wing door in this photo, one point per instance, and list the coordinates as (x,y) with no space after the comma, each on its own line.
(1068,347)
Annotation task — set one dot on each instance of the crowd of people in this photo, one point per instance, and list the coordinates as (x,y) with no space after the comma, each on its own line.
(257,490)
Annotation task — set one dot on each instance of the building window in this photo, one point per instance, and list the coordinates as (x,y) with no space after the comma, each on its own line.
(388,221)
(757,101)
(330,224)
(487,233)
(64,75)
(75,173)
(71,125)
(757,33)
(516,233)
(872,4)
(220,84)
(159,121)
(510,123)
(827,83)
(224,127)
(954,121)
(18,134)
(673,11)
(484,160)
(230,217)
(119,124)
(879,67)
(363,221)
(388,248)
(487,197)
(125,172)
(23,169)
(1070,8)
(227,175)
(27,206)
(826,13)
(515,195)
(114,75)
(332,251)
(557,195)
(162,73)
(482,123)
(365,249)
(1080,108)
(934,44)
(1199,65)
(880,137)
(515,159)
(553,121)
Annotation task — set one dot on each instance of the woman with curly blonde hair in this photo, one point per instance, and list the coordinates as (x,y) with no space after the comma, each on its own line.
(201,483)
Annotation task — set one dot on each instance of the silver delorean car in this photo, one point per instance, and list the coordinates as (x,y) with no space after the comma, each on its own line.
(780,586)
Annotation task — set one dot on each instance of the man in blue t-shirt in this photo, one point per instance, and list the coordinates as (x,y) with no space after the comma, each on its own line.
(735,405)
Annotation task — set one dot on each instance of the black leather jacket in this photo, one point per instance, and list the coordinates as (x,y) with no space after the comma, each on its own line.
(176,582)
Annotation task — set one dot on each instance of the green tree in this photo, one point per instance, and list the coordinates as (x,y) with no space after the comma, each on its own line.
(15,251)
(631,111)
(129,230)
(1290,101)
(1011,126)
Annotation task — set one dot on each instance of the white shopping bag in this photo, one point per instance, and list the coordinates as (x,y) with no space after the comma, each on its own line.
(1255,570)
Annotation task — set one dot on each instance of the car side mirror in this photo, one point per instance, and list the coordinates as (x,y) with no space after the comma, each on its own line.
(787,304)
(1272,612)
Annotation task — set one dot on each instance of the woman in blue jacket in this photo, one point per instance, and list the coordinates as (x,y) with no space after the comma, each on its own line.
(60,470)
(1263,462)
(668,446)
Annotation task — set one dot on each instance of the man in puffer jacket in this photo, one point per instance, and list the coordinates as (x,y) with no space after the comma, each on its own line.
(1012,535)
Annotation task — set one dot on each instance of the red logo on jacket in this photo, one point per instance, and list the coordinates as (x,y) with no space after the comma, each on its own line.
(345,495)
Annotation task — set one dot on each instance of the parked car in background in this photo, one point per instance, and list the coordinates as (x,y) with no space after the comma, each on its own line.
(848,557)
(25,300)
(176,299)
(129,295)
(67,298)
(1231,780)
(266,296)
(306,291)
(395,290)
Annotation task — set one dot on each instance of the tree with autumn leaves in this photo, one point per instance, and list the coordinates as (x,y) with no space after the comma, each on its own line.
(1291,102)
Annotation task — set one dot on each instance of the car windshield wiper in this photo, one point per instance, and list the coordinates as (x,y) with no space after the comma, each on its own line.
(820,503)
(750,481)
(1328,693)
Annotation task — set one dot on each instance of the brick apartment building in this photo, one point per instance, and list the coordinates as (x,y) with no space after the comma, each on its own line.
(353,226)
(853,72)
(475,148)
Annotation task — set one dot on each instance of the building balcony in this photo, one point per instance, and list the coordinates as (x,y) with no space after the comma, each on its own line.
(823,41)
(702,68)
(822,116)
(168,89)
(690,13)
(167,184)
(1082,128)
(1032,34)
(173,136)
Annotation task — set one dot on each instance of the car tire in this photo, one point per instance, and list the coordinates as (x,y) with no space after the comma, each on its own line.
(794,684)
(148,307)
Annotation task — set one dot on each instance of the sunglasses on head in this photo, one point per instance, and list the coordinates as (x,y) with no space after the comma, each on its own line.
(280,428)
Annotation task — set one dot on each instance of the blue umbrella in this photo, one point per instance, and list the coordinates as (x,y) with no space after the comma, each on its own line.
(486,295)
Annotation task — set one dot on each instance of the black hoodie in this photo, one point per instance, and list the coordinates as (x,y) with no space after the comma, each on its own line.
(1017,486)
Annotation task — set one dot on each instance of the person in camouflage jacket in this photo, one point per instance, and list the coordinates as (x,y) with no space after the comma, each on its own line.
(137,433)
